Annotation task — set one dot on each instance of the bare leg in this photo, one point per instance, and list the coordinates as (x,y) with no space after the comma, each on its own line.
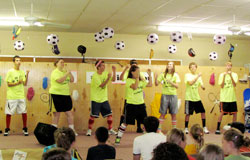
(234,117)
(55,120)
(70,117)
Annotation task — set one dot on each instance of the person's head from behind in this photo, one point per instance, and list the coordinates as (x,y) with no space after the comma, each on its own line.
(169,151)
(100,66)
(151,124)
(177,136)
(197,134)
(238,125)
(64,137)
(56,154)
(133,62)
(232,140)
(17,61)
(211,152)
(102,134)
(134,72)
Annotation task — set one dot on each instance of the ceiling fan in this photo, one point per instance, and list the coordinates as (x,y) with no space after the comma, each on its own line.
(236,29)
(36,21)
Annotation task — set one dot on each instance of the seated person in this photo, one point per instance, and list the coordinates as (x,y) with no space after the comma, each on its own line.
(65,138)
(56,154)
(144,144)
(197,135)
(169,151)
(241,127)
(178,137)
(101,150)
(211,152)
(232,140)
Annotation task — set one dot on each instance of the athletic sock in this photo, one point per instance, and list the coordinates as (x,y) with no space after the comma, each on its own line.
(218,125)
(110,122)
(121,130)
(204,122)
(174,122)
(8,119)
(186,124)
(24,116)
(91,122)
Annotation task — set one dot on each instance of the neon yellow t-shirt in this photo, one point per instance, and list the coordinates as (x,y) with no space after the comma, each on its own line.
(125,77)
(167,88)
(99,94)
(227,93)
(15,92)
(59,88)
(192,93)
(135,96)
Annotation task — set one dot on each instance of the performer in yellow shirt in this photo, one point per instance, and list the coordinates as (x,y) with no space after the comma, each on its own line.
(99,96)
(16,80)
(192,97)
(228,105)
(169,100)
(60,100)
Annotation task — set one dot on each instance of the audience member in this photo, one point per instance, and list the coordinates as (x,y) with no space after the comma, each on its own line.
(101,151)
(211,152)
(197,136)
(232,140)
(65,138)
(144,144)
(178,137)
(56,154)
(169,151)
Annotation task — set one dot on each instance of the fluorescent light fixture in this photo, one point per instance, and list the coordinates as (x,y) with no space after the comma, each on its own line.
(39,24)
(194,29)
(11,21)
(247,33)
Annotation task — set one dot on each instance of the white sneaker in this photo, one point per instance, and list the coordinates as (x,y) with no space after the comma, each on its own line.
(89,131)
(113,132)
(186,130)
(206,131)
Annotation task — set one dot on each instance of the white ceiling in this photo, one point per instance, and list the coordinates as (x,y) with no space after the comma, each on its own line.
(127,16)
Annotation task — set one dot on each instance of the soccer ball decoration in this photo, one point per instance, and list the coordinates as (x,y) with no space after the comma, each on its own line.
(108,32)
(99,37)
(219,39)
(172,48)
(19,45)
(176,36)
(213,56)
(152,38)
(52,39)
(119,45)
(191,52)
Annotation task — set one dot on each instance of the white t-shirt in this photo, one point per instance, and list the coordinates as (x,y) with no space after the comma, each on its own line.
(145,144)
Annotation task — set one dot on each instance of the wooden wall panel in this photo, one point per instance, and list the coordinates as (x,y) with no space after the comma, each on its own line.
(37,109)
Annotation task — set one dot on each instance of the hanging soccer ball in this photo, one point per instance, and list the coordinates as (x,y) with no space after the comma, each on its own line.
(19,45)
(213,56)
(172,48)
(108,32)
(119,45)
(99,37)
(191,52)
(219,39)
(176,36)
(52,39)
(152,38)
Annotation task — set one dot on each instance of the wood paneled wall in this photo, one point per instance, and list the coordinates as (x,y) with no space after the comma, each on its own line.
(37,109)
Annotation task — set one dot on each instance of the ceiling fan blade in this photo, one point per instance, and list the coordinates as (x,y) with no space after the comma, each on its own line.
(58,25)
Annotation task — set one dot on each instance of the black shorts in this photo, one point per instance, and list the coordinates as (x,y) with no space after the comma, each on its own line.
(135,112)
(228,107)
(60,103)
(191,106)
(103,107)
